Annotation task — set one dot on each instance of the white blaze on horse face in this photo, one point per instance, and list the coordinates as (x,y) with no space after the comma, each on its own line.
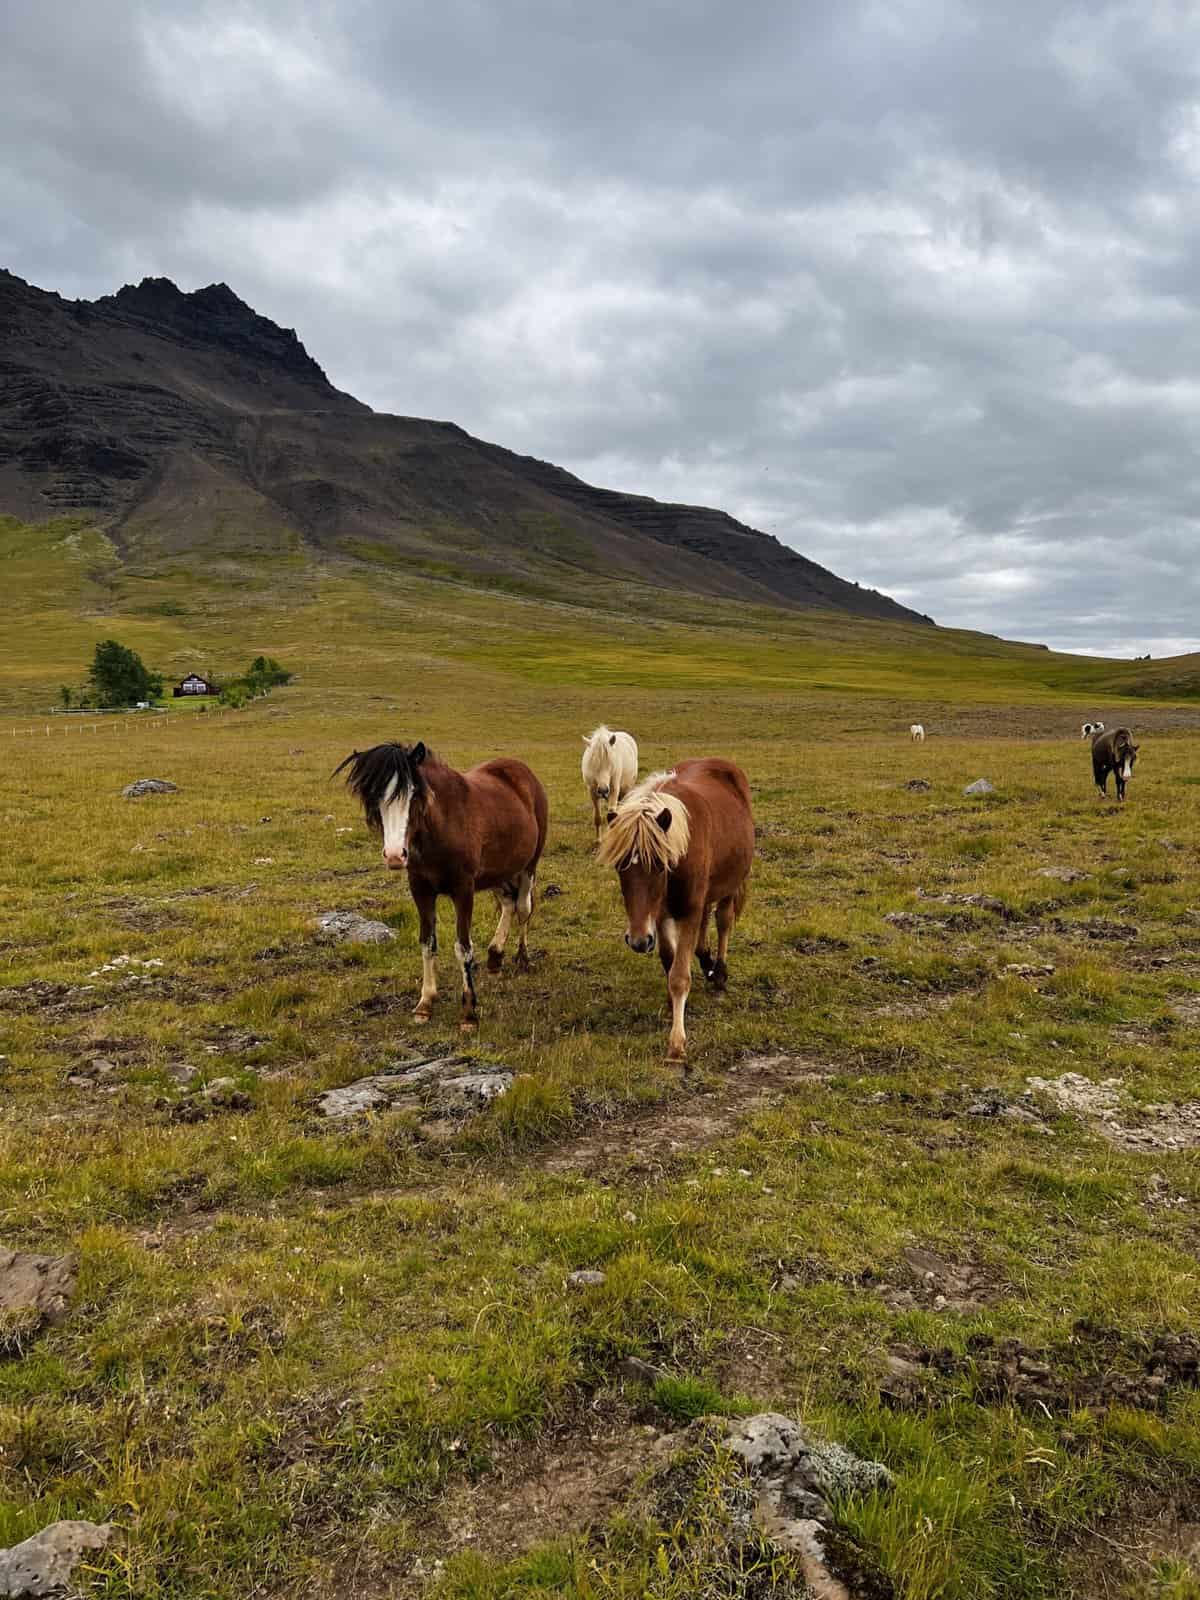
(393,814)
(1127,769)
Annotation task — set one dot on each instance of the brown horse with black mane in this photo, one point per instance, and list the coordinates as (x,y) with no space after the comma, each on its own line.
(456,833)
(683,844)
(1113,752)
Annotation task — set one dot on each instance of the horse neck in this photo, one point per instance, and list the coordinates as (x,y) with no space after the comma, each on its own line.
(446,795)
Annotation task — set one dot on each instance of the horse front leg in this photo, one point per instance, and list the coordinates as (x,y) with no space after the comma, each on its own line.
(427,912)
(679,986)
(597,814)
(703,953)
(464,906)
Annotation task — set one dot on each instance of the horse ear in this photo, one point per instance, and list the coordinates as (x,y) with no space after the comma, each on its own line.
(586,738)
(611,818)
(418,753)
(612,738)
(664,819)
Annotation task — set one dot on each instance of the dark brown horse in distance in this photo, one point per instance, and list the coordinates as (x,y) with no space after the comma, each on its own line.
(1113,752)
(456,833)
(683,843)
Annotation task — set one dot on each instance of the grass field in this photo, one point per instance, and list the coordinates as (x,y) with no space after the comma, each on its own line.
(308,1359)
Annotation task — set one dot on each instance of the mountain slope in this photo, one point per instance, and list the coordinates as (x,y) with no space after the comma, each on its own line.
(189,424)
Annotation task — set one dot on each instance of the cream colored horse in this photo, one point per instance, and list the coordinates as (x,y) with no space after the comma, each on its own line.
(610,766)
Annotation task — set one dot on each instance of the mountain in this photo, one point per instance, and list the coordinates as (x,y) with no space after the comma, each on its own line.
(188,425)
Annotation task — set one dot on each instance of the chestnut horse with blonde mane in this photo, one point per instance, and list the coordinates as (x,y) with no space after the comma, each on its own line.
(683,843)
(456,833)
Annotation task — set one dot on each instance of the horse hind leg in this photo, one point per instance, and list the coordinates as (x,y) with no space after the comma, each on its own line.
(506,899)
(727,915)
(524,908)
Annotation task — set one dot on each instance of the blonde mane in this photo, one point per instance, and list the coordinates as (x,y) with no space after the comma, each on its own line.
(634,833)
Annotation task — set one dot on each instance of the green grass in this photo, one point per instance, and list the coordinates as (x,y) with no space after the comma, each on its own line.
(300,1358)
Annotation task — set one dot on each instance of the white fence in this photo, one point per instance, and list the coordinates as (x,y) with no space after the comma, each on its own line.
(86,725)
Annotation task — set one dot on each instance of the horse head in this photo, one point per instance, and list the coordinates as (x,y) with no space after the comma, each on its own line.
(390,782)
(647,836)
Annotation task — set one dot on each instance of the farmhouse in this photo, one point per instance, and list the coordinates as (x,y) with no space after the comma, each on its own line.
(195,684)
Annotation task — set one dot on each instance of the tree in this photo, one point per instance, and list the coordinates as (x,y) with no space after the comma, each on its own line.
(65,695)
(120,677)
(265,673)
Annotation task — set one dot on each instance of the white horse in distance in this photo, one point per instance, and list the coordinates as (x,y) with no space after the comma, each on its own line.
(917,733)
(610,768)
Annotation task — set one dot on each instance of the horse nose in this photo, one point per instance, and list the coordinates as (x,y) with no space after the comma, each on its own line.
(602,794)
(395,859)
(642,946)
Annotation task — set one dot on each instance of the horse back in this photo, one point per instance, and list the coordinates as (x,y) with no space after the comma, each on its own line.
(510,814)
(717,795)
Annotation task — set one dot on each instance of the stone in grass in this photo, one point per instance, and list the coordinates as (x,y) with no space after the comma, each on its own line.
(919,785)
(980,786)
(347,927)
(586,1279)
(34,1290)
(445,1079)
(798,1472)
(793,1476)
(1063,874)
(43,1565)
(141,786)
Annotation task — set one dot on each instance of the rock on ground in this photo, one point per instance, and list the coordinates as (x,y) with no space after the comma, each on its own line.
(43,1565)
(34,1290)
(347,927)
(797,1472)
(454,1085)
(794,1476)
(980,786)
(1063,874)
(141,786)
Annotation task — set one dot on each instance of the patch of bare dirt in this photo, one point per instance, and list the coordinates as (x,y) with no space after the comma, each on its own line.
(1097,1368)
(564,1484)
(1096,928)
(646,1142)
(1103,1107)
(982,902)
(928,1282)
(920,1006)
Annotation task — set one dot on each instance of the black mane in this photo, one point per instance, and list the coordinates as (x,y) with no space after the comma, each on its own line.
(371,773)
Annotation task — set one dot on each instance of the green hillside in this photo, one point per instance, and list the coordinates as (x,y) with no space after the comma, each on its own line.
(62,586)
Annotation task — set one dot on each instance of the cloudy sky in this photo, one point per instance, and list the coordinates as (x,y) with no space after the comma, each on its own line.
(913,285)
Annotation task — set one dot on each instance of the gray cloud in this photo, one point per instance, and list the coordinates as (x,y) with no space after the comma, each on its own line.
(913,287)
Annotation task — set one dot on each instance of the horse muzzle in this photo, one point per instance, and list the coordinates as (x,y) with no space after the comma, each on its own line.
(642,946)
(395,860)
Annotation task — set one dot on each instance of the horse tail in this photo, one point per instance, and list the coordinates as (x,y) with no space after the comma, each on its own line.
(741,896)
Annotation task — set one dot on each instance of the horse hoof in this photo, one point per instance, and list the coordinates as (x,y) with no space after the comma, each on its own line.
(676,1054)
(468,1027)
(522,963)
(421,1016)
(495,960)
